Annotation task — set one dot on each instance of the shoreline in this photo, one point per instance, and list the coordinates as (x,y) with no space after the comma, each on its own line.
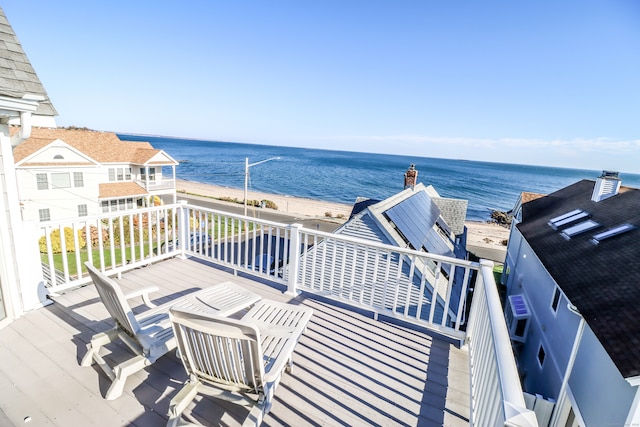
(290,205)
(481,236)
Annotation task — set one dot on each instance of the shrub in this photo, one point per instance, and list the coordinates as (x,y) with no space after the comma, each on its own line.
(270,204)
(94,238)
(328,214)
(56,245)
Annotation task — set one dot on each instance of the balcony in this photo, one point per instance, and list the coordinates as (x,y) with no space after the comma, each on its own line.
(389,343)
(157,184)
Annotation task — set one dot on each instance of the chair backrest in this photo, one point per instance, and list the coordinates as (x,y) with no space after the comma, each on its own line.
(219,351)
(113,299)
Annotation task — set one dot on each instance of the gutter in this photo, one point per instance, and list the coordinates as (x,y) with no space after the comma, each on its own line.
(24,107)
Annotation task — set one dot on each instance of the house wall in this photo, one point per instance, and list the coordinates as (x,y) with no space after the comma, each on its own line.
(61,202)
(555,331)
(601,394)
(22,285)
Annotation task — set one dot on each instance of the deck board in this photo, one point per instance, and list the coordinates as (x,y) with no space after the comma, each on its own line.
(349,369)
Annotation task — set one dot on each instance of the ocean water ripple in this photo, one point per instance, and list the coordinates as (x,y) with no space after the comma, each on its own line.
(341,176)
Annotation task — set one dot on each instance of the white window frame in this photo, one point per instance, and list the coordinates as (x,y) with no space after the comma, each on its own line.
(556,292)
(78,179)
(42,181)
(544,355)
(82,210)
(44,214)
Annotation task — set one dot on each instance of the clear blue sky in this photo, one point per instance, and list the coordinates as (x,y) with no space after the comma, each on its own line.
(550,82)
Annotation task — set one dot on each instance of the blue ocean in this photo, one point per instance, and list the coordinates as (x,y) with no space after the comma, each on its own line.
(341,176)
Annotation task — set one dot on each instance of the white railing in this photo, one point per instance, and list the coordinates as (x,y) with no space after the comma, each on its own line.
(427,290)
(416,287)
(496,393)
(116,242)
(157,184)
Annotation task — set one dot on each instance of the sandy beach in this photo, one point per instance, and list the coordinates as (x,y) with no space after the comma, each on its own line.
(480,235)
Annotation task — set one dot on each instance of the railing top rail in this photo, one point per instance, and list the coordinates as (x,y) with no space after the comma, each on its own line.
(406,251)
(237,216)
(354,240)
(106,215)
(513,399)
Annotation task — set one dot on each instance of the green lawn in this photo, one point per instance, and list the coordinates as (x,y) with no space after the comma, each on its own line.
(95,255)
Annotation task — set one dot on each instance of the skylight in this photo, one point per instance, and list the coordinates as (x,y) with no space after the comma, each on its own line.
(612,232)
(579,228)
(568,218)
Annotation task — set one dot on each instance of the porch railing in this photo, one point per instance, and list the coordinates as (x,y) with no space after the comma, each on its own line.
(415,287)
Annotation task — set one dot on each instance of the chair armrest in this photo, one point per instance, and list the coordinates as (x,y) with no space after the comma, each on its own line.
(144,293)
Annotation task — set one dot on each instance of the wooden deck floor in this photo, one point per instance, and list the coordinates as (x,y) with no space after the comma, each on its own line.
(348,368)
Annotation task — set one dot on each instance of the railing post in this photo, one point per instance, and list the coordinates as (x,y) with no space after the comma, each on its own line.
(294,259)
(183,228)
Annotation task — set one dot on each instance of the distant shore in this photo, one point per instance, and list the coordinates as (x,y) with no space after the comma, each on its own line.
(481,236)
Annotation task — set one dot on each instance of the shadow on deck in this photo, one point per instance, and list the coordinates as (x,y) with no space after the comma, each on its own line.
(349,369)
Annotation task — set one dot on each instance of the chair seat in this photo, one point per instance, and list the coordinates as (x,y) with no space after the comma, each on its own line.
(240,360)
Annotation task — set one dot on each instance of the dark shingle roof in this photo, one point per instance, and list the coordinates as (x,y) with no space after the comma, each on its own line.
(602,281)
(17,76)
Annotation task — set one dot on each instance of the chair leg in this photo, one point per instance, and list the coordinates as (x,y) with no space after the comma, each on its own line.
(257,413)
(121,372)
(180,402)
(97,342)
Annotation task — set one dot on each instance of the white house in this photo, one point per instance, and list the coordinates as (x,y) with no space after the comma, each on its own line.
(572,276)
(63,173)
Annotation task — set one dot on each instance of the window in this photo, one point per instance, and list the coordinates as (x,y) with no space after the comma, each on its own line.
(114,205)
(129,203)
(60,180)
(58,157)
(44,214)
(119,174)
(82,210)
(579,228)
(555,302)
(78,179)
(612,232)
(152,174)
(105,206)
(43,182)
(541,355)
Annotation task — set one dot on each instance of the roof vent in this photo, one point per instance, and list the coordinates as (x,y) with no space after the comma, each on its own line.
(607,185)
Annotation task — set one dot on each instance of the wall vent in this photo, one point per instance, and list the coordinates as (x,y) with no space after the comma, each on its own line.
(607,185)
(517,315)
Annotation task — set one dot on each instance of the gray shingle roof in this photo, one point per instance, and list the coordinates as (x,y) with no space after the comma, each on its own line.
(602,281)
(17,76)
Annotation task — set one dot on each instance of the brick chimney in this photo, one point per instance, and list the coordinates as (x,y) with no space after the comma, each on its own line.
(410,177)
(607,185)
